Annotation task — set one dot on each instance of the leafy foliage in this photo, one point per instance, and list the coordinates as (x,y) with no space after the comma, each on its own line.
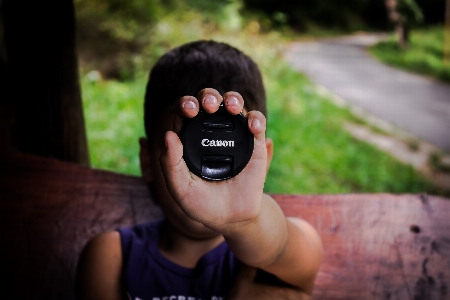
(114,34)
(410,12)
(307,14)
(111,32)
(345,15)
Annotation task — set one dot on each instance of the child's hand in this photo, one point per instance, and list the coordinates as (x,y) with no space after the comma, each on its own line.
(224,205)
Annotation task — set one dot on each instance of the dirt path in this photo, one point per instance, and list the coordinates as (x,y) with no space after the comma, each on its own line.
(418,105)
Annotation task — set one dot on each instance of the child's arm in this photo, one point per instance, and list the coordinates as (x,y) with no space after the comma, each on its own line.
(100,268)
(288,248)
(252,223)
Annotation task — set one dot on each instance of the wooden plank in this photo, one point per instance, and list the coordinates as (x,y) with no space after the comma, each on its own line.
(378,246)
(49,210)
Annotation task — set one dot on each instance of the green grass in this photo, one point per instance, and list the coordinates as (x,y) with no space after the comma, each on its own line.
(113,113)
(424,54)
(313,154)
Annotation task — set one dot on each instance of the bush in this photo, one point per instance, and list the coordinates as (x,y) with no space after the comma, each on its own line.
(114,36)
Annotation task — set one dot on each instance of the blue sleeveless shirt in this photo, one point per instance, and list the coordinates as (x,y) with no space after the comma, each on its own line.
(148,275)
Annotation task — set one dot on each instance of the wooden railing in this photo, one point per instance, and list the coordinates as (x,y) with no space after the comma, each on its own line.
(377,246)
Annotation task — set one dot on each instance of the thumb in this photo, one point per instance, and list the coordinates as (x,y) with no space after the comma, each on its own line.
(173,167)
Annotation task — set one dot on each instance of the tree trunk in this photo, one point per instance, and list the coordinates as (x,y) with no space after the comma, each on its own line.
(395,18)
(43,86)
(402,35)
(447,34)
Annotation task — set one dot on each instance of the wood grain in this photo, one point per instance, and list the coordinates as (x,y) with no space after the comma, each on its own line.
(377,246)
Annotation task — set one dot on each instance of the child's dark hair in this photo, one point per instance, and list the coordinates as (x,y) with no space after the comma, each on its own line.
(188,69)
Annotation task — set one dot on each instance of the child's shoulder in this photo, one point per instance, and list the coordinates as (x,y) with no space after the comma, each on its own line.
(102,255)
(94,249)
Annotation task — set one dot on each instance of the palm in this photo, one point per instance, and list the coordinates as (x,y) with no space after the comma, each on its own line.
(225,202)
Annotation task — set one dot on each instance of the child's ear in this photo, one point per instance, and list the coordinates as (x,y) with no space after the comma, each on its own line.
(145,160)
(269,147)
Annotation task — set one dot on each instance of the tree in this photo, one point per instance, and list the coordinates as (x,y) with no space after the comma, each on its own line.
(447,34)
(403,14)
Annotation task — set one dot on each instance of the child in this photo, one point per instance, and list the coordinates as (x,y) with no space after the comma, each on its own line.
(212,230)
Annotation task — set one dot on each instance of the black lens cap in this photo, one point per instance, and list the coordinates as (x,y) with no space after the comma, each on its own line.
(216,146)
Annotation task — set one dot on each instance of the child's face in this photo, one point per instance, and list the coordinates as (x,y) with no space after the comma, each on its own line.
(151,170)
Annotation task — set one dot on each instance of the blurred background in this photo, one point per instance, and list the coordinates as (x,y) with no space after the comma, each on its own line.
(316,148)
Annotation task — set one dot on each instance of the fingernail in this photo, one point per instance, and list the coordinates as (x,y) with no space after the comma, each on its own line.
(255,123)
(189,104)
(210,99)
(232,101)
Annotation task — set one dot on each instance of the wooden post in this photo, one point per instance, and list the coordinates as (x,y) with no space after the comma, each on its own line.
(447,34)
(43,85)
